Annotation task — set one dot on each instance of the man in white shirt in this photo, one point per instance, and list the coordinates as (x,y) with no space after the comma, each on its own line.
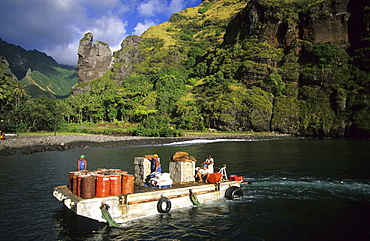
(210,162)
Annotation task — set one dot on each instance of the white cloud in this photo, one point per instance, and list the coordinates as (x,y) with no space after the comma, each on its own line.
(65,54)
(148,8)
(108,29)
(141,27)
(151,8)
(175,6)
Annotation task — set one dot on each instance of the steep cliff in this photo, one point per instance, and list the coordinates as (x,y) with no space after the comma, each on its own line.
(299,55)
(285,27)
(93,59)
(125,60)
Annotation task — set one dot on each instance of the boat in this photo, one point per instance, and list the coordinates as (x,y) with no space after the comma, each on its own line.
(115,197)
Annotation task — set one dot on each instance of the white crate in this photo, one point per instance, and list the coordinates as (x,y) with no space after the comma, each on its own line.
(182,171)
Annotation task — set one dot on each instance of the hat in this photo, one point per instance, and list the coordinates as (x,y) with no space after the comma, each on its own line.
(82,156)
(205,165)
(155,155)
(209,155)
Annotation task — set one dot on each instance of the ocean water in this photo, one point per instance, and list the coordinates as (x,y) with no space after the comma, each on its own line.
(302,190)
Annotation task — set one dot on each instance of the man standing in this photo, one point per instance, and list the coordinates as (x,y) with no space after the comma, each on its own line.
(81,163)
(209,162)
(156,164)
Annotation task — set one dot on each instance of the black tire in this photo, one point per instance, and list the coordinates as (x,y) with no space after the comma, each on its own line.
(237,193)
(233,193)
(229,192)
(160,205)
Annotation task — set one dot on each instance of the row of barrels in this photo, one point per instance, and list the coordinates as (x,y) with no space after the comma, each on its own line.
(100,183)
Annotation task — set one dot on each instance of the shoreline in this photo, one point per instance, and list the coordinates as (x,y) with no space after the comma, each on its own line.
(29,145)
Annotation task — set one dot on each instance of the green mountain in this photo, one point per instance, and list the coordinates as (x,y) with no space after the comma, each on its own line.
(291,66)
(40,73)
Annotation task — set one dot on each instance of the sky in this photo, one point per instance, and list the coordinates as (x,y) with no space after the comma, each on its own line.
(55,27)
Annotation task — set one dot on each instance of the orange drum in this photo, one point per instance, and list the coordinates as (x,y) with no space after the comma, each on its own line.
(79,178)
(115,185)
(214,177)
(102,186)
(74,183)
(88,187)
(128,184)
(70,180)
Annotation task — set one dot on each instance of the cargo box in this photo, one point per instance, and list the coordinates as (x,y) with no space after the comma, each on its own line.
(236,178)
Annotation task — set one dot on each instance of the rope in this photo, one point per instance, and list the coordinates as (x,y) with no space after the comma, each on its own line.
(106,215)
(194,198)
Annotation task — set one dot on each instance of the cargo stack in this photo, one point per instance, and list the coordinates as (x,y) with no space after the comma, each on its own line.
(100,183)
(182,167)
(142,169)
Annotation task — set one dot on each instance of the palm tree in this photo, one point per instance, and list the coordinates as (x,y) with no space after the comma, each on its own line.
(19,91)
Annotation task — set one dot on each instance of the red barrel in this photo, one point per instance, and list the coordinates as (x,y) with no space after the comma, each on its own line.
(115,185)
(128,184)
(70,180)
(214,177)
(79,184)
(102,186)
(74,182)
(88,187)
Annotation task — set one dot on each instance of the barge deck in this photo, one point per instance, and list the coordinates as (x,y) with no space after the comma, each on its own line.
(146,201)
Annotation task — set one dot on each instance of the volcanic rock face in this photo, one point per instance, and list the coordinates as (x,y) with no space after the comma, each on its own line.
(125,60)
(324,23)
(287,27)
(93,60)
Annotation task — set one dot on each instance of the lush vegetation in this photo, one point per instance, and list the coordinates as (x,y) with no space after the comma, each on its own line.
(196,78)
(39,73)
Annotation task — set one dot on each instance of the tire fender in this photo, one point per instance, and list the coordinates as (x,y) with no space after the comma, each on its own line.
(160,205)
(233,193)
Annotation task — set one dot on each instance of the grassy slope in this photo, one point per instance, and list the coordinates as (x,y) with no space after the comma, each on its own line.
(219,12)
(58,82)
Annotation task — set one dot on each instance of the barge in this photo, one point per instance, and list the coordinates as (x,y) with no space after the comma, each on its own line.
(134,198)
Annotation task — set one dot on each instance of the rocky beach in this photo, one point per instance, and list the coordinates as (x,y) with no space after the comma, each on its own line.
(28,145)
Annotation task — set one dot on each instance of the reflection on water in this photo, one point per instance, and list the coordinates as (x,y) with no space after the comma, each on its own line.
(69,224)
(302,189)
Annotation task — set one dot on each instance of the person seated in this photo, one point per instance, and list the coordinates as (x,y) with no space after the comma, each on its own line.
(202,174)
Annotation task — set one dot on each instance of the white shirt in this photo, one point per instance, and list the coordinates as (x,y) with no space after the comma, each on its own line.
(210,160)
(202,171)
